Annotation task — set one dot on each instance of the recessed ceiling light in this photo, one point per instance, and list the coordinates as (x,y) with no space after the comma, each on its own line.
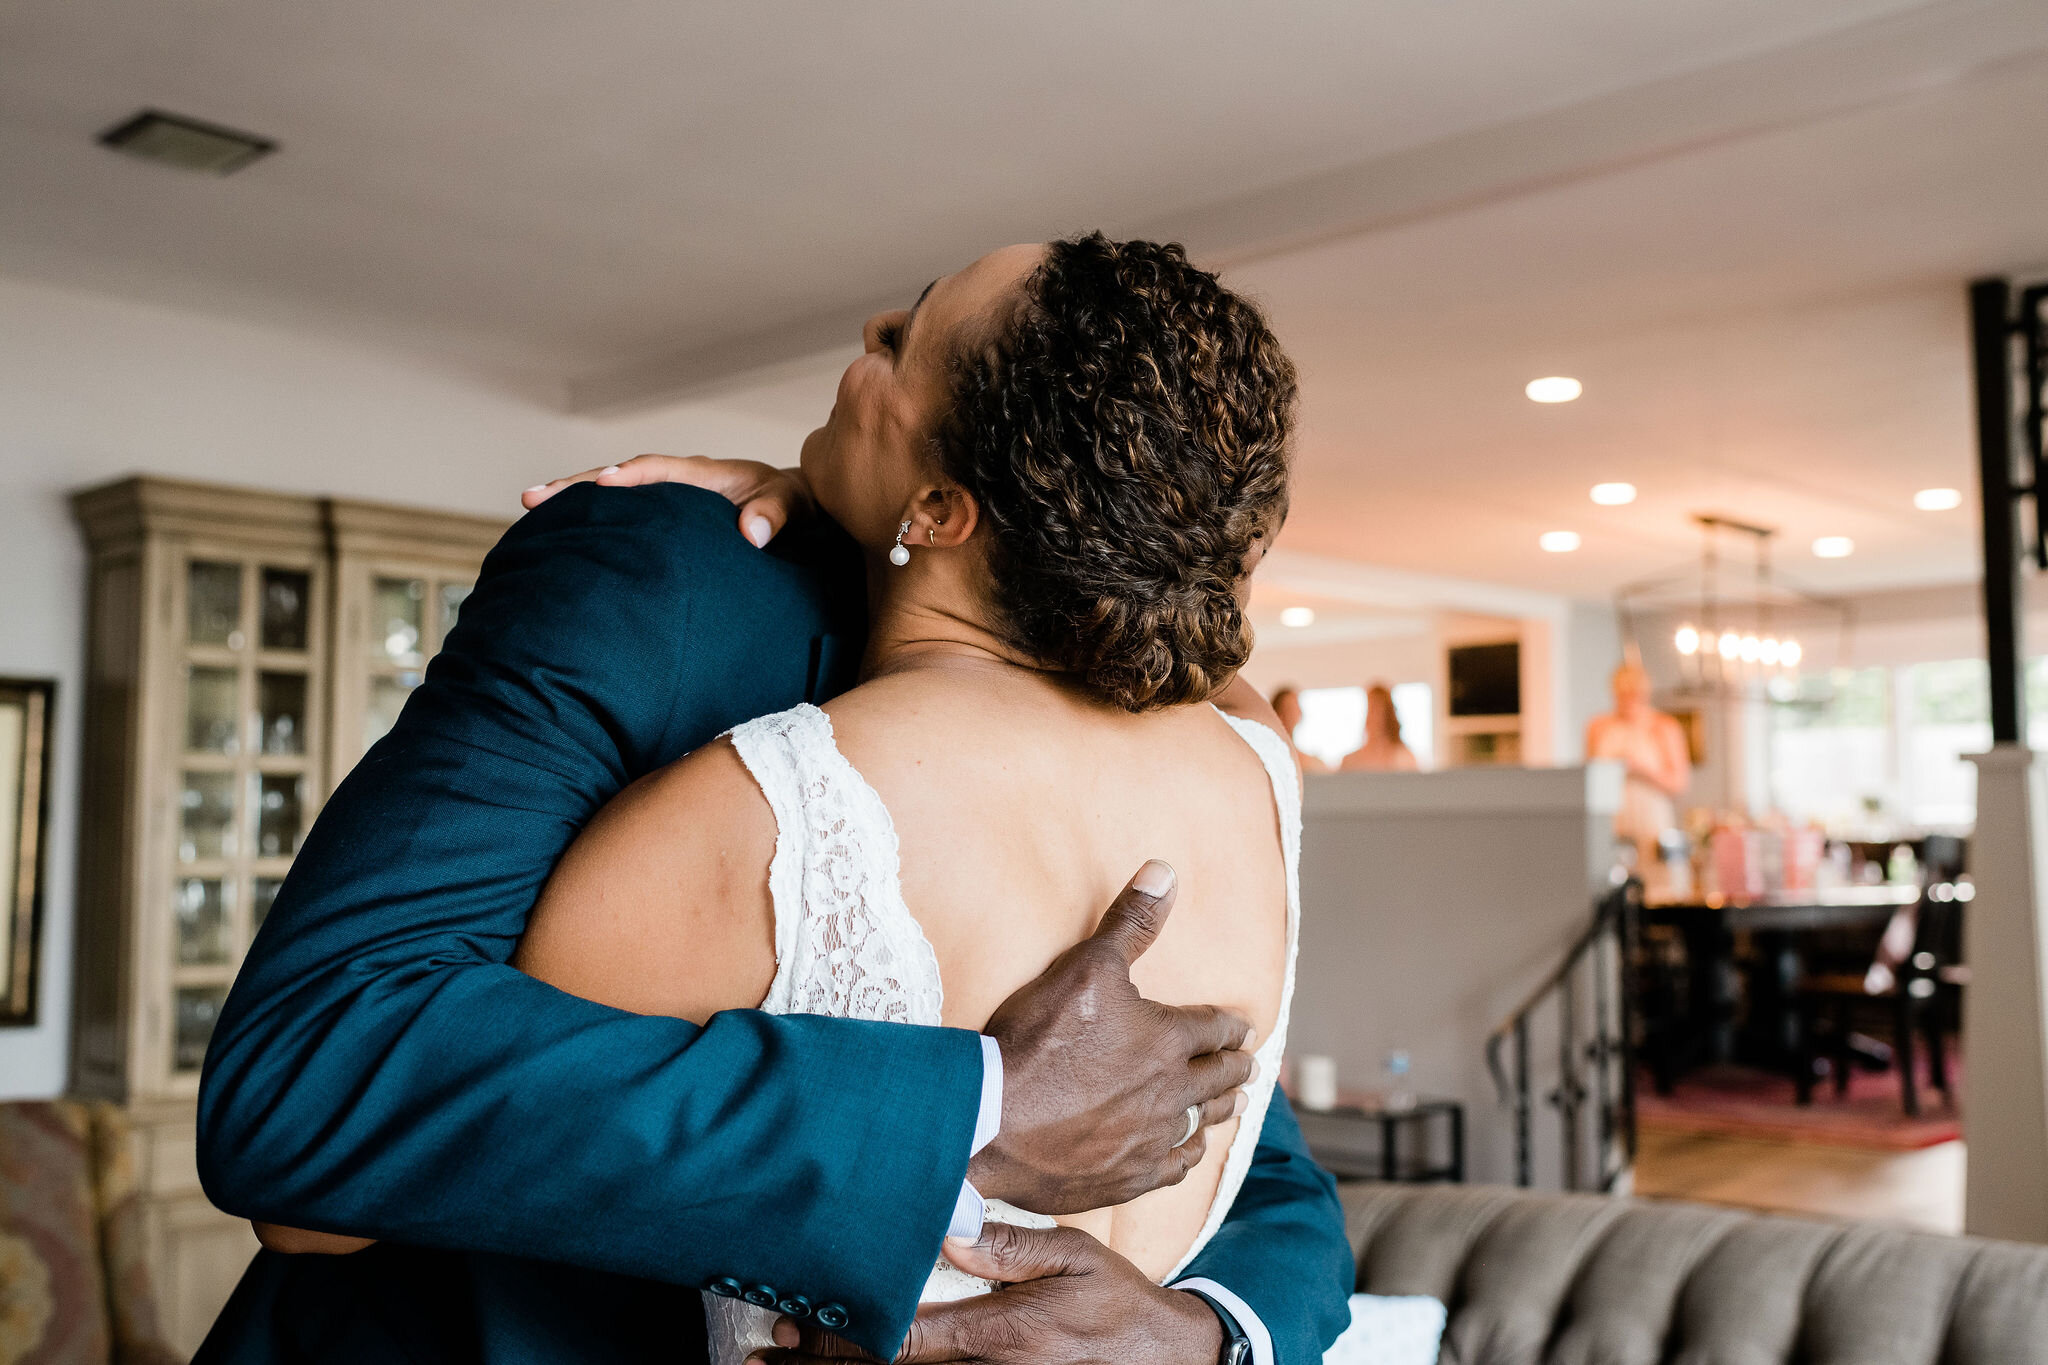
(1555,389)
(1559,542)
(1614,494)
(1834,547)
(186,143)
(1297,616)
(1938,499)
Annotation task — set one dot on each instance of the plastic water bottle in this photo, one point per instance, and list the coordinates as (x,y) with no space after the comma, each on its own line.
(1400,1092)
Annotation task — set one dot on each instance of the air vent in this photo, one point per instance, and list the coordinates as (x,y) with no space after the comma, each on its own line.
(186,143)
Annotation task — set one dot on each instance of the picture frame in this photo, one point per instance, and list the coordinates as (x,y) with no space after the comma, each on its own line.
(27,707)
(1693,721)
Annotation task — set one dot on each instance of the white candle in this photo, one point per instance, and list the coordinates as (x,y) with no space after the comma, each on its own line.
(1315,1082)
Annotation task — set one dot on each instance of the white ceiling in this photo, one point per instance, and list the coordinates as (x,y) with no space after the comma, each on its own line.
(1744,223)
(566,190)
(1773,327)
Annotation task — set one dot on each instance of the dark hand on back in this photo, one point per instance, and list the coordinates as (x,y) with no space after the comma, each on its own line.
(1097,1080)
(1065,1299)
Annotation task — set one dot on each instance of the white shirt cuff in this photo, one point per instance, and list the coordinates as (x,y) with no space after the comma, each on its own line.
(989,1121)
(1247,1320)
(969,1212)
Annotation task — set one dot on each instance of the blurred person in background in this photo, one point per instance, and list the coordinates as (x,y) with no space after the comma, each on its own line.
(1287,706)
(1383,751)
(1651,748)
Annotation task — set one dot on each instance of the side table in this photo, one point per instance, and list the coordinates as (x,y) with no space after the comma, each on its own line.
(1342,1141)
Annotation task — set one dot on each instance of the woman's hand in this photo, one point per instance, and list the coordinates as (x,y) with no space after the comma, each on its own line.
(768,498)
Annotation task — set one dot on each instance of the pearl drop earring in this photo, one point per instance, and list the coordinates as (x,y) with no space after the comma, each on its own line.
(899,556)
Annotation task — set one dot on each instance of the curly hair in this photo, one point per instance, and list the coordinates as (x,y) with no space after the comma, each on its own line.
(1125,431)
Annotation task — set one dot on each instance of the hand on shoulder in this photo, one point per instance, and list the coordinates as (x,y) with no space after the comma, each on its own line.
(768,498)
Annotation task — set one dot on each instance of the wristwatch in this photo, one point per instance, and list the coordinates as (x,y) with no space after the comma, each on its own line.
(1237,1347)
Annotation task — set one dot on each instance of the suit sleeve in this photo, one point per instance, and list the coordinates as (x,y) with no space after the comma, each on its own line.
(1283,1248)
(380,1070)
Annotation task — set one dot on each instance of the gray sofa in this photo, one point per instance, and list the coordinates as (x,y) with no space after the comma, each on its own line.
(1533,1279)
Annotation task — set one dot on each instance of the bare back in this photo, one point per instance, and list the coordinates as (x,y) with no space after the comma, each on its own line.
(1020,809)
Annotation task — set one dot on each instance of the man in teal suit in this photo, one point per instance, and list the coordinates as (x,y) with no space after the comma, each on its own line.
(549,1179)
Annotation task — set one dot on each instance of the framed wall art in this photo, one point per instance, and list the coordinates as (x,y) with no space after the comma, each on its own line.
(25,738)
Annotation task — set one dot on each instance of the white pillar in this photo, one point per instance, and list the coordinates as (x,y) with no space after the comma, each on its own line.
(2005,1006)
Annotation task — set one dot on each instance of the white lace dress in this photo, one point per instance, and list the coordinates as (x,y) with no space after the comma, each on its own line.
(846,945)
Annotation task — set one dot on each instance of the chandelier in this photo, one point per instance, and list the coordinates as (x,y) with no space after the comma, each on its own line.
(1728,639)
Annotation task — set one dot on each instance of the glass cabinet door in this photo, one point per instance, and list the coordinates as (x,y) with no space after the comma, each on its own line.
(244,744)
(407,619)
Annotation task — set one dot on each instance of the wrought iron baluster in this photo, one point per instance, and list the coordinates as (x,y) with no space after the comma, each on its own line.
(1599,1050)
(1609,944)
(1570,1094)
(1630,937)
(1524,1169)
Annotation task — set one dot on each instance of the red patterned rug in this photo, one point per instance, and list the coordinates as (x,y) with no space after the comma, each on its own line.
(1742,1102)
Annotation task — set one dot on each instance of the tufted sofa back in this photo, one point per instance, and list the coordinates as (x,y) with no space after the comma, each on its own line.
(1533,1279)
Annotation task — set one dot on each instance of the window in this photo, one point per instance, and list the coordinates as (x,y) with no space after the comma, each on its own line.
(2037,702)
(1947,713)
(1415,708)
(1333,721)
(1854,747)
(1830,747)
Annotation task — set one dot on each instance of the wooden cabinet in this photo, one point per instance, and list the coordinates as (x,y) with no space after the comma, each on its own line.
(400,577)
(244,649)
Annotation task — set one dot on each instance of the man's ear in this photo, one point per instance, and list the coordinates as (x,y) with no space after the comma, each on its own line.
(941,516)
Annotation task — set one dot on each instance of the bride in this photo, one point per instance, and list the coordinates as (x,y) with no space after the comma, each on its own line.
(1062,463)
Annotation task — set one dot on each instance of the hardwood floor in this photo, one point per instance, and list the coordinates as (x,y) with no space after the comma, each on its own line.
(1921,1189)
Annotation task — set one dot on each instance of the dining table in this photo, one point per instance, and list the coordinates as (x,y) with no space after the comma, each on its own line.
(1732,996)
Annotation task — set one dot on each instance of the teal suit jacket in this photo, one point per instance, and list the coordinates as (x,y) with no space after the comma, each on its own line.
(380,1069)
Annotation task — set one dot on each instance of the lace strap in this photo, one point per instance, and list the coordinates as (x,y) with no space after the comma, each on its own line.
(846,945)
(768,747)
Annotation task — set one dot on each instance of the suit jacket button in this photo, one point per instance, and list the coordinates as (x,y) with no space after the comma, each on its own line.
(832,1317)
(726,1287)
(795,1305)
(761,1296)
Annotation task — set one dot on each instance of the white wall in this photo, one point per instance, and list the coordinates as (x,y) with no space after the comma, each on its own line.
(93,388)
(1592,652)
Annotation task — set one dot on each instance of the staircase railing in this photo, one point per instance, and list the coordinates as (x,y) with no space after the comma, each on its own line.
(1595,1049)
